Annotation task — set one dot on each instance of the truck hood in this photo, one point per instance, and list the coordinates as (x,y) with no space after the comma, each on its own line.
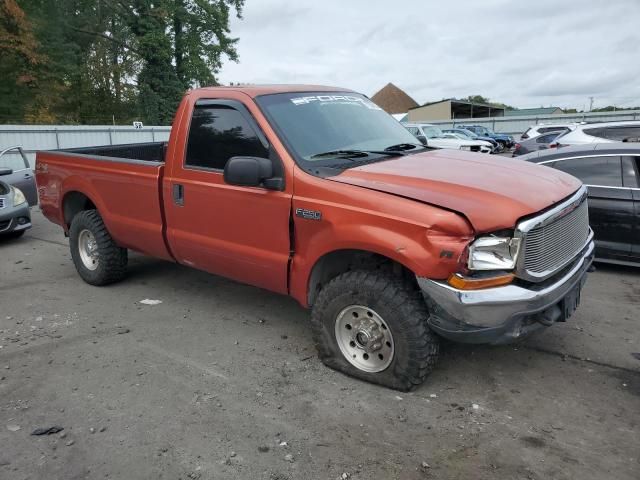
(493,193)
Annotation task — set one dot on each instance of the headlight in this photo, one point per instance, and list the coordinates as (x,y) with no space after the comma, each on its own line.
(18,196)
(493,253)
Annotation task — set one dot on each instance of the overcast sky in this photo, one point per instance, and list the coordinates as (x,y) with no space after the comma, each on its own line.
(525,53)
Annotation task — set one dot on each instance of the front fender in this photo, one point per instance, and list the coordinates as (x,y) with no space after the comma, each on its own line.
(427,253)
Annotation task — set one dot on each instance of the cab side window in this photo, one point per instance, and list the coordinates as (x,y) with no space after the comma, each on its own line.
(596,171)
(217,133)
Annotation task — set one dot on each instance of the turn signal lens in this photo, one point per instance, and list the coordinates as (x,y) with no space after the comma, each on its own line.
(463,283)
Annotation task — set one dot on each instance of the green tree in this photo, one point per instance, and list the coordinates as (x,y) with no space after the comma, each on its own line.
(201,39)
(181,44)
(89,61)
(487,101)
(20,60)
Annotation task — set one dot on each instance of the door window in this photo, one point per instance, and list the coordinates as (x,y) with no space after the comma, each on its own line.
(547,138)
(217,133)
(619,133)
(597,171)
(553,129)
(629,174)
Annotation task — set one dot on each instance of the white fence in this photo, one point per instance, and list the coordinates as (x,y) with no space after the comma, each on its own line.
(39,137)
(517,125)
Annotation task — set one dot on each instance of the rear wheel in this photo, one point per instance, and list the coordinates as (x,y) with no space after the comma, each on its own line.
(97,258)
(373,326)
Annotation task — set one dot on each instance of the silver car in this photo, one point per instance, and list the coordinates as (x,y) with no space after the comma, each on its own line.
(15,185)
(605,132)
(20,175)
(541,142)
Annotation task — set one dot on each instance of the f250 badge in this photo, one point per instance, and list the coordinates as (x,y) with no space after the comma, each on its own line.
(308,214)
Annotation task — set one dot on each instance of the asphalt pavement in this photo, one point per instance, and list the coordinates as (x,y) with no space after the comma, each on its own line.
(220,380)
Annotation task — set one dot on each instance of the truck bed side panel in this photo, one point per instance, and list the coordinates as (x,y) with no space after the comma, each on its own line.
(126,193)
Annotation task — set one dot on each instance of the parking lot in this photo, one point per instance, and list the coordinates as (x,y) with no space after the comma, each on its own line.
(220,380)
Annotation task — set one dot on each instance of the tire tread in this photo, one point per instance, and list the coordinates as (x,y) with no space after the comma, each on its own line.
(412,314)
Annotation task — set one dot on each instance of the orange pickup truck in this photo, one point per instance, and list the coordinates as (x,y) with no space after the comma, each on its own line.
(317,193)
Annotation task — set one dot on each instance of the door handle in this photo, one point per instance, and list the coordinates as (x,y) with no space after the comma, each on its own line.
(178,194)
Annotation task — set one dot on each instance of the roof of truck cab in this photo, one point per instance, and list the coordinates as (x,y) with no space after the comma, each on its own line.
(256,90)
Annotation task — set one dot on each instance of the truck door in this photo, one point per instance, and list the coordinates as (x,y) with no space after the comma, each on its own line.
(237,232)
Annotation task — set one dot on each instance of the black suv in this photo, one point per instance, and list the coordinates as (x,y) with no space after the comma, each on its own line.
(611,172)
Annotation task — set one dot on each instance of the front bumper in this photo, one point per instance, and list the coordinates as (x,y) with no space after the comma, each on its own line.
(14,219)
(502,314)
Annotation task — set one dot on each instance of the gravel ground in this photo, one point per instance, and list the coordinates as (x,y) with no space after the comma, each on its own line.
(221,381)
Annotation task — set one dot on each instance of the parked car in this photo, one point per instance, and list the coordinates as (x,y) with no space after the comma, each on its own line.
(607,132)
(389,243)
(611,173)
(505,140)
(472,136)
(21,175)
(15,217)
(541,142)
(542,128)
(484,147)
(434,137)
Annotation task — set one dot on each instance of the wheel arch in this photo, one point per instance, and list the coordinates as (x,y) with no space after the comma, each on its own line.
(336,262)
(73,203)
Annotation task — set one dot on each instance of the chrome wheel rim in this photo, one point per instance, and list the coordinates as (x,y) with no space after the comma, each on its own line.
(88,248)
(364,338)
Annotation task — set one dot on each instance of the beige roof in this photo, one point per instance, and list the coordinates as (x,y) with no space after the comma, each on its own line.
(393,100)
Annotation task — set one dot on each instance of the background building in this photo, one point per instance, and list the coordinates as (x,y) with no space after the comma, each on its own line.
(393,100)
(452,109)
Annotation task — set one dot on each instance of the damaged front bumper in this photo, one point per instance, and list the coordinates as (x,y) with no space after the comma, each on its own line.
(505,314)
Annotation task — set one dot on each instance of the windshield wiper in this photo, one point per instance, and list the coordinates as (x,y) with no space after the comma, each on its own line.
(341,153)
(358,153)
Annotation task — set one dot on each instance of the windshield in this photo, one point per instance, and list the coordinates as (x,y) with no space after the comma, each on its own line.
(315,124)
(432,132)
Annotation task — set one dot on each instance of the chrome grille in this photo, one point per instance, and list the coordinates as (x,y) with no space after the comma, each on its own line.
(2,205)
(552,245)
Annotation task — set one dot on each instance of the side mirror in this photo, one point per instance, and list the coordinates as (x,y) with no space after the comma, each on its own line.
(5,171)
(422,139)
(251,172)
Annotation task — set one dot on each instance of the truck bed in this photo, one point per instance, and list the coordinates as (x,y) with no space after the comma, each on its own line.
(148,152)
(124,182)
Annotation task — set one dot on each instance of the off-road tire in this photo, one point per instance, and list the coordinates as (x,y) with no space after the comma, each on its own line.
(112,264)
(404,312)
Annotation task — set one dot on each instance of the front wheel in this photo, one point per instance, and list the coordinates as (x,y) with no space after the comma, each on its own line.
(97,258)
(373,326)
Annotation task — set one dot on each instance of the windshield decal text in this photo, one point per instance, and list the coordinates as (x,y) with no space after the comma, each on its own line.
(344,99)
